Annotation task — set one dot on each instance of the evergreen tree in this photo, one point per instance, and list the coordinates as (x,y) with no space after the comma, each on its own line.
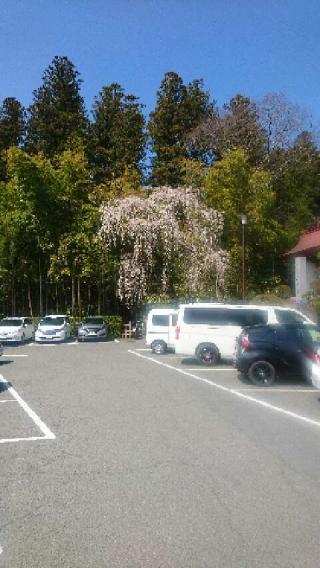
(295,178)
(179,109)
(117,137)
(57,112)
(11,123)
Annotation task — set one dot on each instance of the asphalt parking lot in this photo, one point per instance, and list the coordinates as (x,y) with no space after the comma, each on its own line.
(114,457)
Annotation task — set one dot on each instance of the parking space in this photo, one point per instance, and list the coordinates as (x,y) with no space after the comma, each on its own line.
(136,435)
(19,422)
(295,399)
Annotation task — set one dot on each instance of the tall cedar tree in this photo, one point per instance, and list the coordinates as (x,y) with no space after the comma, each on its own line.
(179,109)
(12,125)
(117,135)
(237,126)
(57,113)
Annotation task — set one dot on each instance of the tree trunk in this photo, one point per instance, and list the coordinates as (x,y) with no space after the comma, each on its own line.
(89,299)
(46,296)
(29,299)
(40,291)
(73,297)
(99,298)
(13,297)
(79,296)
(57,300)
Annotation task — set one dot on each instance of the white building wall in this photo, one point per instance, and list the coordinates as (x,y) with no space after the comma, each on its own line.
(305,273)
(312,273)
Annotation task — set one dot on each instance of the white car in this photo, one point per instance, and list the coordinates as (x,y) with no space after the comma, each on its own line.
(55,328)
(160,334)
(209,331)
(15,329)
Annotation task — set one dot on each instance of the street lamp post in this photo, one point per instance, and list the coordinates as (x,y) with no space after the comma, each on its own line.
(244,221)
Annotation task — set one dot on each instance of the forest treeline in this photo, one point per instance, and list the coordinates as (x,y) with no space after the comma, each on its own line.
(105,208)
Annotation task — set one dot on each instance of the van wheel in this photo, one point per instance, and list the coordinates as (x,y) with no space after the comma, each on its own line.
(262,373)
(207,354)
(159,347)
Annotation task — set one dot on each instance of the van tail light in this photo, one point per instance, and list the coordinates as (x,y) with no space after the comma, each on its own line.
(313,355)
(245,343)
(177,331)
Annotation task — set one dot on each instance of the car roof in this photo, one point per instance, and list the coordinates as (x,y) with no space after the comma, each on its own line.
(290,325)
(237,306)
(56,316)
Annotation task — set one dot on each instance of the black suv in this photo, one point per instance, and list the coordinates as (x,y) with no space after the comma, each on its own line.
(265,352)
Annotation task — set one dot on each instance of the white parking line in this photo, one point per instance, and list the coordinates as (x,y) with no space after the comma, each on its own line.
(47,434)
(14,355)
(1,549)
(233,392)
(275,389)
(8,400)
(212,370)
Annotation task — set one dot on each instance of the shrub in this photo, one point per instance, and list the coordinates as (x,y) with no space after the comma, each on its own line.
(114,324)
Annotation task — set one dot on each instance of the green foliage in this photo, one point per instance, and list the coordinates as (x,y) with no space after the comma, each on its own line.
(117,136)
(12,123)
(57,112)
(234,187)
(179,109)
(115,325)
(295,179)
(240,159)
(267,299)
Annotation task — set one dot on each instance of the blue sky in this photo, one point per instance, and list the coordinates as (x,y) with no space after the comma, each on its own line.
(249,46)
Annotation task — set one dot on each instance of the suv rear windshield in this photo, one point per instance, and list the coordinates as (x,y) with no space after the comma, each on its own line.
(225,316)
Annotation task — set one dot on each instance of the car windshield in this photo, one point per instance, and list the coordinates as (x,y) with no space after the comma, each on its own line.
(94,321)
(11,323)
(52,321)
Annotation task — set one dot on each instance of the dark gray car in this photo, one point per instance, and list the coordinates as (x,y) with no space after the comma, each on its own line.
(92,328)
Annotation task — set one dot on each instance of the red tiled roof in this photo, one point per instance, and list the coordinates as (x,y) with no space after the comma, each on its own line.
(308,244)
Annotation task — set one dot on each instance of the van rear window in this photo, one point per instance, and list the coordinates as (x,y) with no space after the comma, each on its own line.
(162,321)
(225,316)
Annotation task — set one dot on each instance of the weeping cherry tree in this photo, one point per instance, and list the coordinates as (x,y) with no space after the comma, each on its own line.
(167,242)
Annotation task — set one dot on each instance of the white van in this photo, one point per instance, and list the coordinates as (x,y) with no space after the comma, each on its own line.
(161,326)
(209,331)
